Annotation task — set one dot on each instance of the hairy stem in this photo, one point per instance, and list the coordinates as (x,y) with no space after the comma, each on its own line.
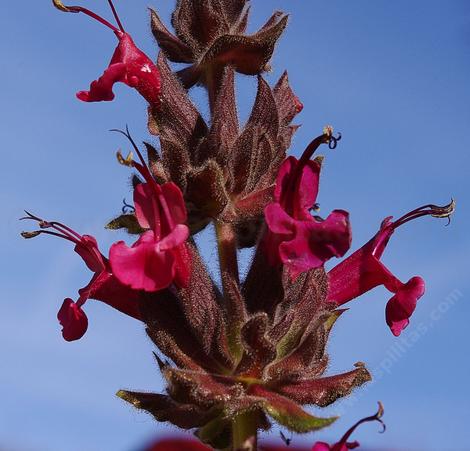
(227,247)
(213,78)
(245,431)
(233,302)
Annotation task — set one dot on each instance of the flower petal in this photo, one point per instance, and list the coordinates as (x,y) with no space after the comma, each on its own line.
(278,220)
(307,190)
(102,89)
(356,275)
(87,248)
(316,242)
(73,320)
(284,176)
(142,266)
(321,446)
(363,271)
(175,201)
(176,237)
(401,306)
(107,288)
(146,207)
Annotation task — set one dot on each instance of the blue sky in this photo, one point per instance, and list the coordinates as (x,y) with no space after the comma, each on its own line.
(391,76)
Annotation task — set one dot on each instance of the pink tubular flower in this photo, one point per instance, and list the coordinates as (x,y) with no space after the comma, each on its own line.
(343,444)
(128,65)
(160,256)
(103,286)
(295,237)
(363,271)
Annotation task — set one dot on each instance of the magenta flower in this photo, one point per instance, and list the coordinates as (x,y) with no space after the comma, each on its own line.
(159,257)
(363,271)
(103,286)
(129,65)
(343,444)
(177,444)
(295,237)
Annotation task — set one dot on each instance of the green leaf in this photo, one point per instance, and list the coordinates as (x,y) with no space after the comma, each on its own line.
(289,414)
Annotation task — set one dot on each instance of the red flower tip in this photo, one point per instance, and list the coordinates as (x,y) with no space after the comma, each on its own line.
(363,271)
(295,237)
(343,444)
(299,106)
(73,320)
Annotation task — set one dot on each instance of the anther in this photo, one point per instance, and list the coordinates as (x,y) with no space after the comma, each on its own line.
(128,161)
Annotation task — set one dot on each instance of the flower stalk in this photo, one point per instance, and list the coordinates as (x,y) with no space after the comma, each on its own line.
(238,359)
(227,248)
(245,432)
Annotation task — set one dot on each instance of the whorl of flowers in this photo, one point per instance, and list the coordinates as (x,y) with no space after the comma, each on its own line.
(237,356)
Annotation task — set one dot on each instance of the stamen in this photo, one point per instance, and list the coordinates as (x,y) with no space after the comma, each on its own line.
(61,230)
(333,142)
(128,161)
(78,9)
(127,208)
(427,210)
(142,168)
(145,171)
(377,417)
(115,14)
(326,138)
(56,225)
(35,233)
(134,145)
(29,235)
